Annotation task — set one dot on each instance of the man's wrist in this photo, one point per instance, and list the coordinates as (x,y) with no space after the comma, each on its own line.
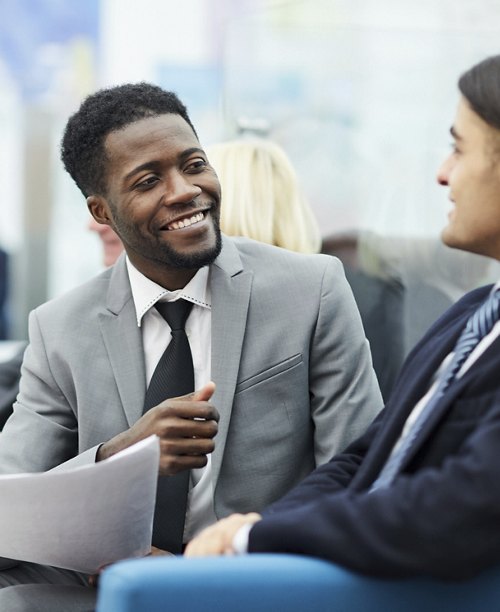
(109,448)
(240,539)
(101,453)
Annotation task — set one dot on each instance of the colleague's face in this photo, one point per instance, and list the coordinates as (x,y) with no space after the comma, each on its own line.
(472,173)
(112,246)
(162,197)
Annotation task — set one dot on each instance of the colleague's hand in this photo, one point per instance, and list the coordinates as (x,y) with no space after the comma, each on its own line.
(185,425)
(218,539)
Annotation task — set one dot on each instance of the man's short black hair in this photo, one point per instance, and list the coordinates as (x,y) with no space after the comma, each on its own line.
(107,110)
(480,86)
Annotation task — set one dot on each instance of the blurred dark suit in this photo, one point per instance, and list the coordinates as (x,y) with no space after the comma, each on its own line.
(4,283)
(381,304)
(10,372)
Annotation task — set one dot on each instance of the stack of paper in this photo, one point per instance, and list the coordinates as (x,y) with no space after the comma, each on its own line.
(82,518)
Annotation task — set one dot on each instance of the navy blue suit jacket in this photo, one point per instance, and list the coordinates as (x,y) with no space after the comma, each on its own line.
(441,516)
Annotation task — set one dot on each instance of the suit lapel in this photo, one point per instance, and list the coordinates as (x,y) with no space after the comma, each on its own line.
(230,289)
(445,343)
(123,341)
(413,383)
(426,363)
(446,402)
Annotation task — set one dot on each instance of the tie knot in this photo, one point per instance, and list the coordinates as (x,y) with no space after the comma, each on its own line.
(175,313)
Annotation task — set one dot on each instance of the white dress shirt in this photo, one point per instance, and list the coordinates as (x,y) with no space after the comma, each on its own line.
(155,339)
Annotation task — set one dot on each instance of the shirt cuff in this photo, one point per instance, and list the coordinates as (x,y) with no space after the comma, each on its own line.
(86,458)
(240,539)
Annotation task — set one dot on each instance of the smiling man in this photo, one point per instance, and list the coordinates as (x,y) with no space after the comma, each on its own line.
(418,494)
(277,332)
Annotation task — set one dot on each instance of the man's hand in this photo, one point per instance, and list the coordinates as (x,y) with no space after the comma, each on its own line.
(218,539)
(185,425)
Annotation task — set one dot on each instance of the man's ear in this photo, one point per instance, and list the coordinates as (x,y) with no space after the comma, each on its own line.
(99,209)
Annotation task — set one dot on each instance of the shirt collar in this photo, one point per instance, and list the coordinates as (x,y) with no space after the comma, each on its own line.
(146,293)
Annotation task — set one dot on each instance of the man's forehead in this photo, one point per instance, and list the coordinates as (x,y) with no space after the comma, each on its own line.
(467,123)
(168,128)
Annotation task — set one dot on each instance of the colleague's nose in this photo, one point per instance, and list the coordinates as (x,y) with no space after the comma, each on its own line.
(179,189)
(444,171)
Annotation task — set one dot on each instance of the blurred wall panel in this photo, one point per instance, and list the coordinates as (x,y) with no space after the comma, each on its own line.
(30,289)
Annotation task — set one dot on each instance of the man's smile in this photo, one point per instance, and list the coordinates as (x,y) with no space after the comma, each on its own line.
(186,221)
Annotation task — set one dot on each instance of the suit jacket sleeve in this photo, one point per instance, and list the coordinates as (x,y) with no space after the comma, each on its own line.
(43,431)
(442,521)
(332,477)
(344,393)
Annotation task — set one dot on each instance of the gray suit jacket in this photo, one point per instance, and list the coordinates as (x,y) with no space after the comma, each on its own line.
(294,377)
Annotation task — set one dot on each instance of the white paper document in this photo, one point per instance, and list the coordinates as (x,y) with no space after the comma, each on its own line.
(82,518)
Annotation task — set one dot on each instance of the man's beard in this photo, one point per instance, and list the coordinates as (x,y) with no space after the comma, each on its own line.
(190,261)
(163,253)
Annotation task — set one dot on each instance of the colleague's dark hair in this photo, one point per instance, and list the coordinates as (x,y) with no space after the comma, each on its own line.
(480,86)
(107,110)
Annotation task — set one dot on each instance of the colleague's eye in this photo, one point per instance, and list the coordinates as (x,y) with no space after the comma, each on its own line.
(147,183)
(196,165)
(454,148)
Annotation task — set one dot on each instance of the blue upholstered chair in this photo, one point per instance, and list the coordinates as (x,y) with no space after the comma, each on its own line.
(280,583)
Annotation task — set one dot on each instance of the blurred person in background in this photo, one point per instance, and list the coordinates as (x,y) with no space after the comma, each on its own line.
(10,372)
(10,363)
(112,246)
(261,195)
(381,303)
(4,287)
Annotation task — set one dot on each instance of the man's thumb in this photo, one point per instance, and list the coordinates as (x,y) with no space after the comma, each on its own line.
(202,394)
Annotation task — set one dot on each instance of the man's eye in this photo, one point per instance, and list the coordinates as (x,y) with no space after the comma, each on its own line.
(147,183)
(196,165)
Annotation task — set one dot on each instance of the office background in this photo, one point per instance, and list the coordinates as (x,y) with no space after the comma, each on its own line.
(360,93)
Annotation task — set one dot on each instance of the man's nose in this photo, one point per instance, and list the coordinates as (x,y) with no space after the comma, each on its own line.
(444,171)
(180,189)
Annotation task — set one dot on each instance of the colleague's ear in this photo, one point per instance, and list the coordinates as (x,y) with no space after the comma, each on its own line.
(98,208)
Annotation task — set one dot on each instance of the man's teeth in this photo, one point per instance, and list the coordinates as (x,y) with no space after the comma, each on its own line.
(186,222)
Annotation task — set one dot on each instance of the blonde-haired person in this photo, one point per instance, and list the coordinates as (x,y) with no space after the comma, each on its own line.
(262,199)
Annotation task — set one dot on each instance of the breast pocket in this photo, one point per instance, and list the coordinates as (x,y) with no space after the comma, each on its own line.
(272,407)
(270,439)
(269,373)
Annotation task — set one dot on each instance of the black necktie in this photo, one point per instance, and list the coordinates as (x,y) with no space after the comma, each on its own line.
(172,377)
